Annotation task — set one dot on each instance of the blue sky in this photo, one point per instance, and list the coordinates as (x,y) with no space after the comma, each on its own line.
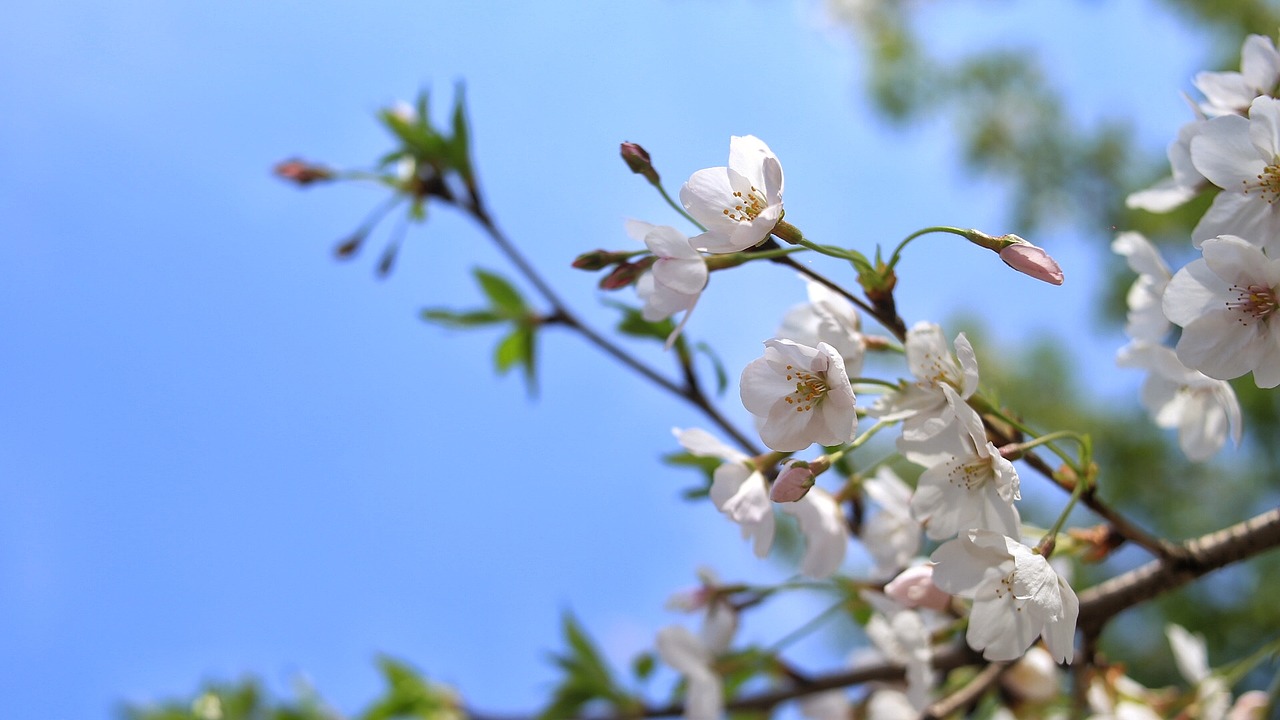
(221,452)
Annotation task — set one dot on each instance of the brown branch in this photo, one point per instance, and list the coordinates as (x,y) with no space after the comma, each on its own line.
(1098,605)
(1204,554)
(967,695)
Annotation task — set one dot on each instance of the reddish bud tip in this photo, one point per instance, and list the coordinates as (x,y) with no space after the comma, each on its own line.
(626,273)
(638,160)
(302,172)
(595,260)
(347,249)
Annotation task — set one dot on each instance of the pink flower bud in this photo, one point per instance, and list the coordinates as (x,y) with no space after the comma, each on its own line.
(914,588)
(793,483)
(638,160)
(1031,260)
(302,172)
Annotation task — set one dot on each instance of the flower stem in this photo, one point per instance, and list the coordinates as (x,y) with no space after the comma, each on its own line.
(676,206)
(897,252)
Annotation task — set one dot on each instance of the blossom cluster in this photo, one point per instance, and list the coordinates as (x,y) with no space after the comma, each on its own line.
(801,392)
(1225,301)
(807,389)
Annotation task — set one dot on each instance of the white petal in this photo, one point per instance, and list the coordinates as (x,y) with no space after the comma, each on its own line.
(1224,153)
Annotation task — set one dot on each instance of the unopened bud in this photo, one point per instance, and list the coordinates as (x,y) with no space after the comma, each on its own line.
(1031,260)
(638,160)
(793,482)
(388,260)
(625,274)
(914,588)
(302,172)
(599,259)
(347,249)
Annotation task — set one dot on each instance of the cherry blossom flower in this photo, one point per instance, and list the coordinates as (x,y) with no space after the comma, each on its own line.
(975,488)
(1225,304)
(1240,155)
(675,281)
(1213,694)
(1186,181)
(825,532)
(902,636)
(1230,93)
(737,488)
(827,317)
(1016,595)
(890,704)
(739,204)
(801,394)
(1034,677)
(829,705)
(1204,410)
(689,656)
(892,535)
(914,588)
(1119,698)
(1146,320)
(693,656)
(922,406)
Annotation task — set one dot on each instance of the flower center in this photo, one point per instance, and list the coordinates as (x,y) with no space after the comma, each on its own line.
(810,390)
(1255,302)
(969,475)
(1268,184)
(746,206)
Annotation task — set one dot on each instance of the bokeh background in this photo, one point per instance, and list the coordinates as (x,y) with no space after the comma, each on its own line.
(224,453)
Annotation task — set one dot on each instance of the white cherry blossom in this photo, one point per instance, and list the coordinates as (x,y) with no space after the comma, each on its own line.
(739,204)
(829,705)
(892,535)
(903,637)
(675,281)
(1205,411)
(914,588)
(737,488)
(1146,320)
(801,394)
(1225,304)
(1242,156)
(1230,93)
(975,488)
(825,532)
(689,656)
(827,317)
(1186,181)
(922,405)
(1017,596)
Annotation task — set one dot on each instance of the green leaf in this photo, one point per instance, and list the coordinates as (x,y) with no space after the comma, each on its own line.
(514,349)
(587,678)
(460,143)
(460,319)
(409,695)
(502,294)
